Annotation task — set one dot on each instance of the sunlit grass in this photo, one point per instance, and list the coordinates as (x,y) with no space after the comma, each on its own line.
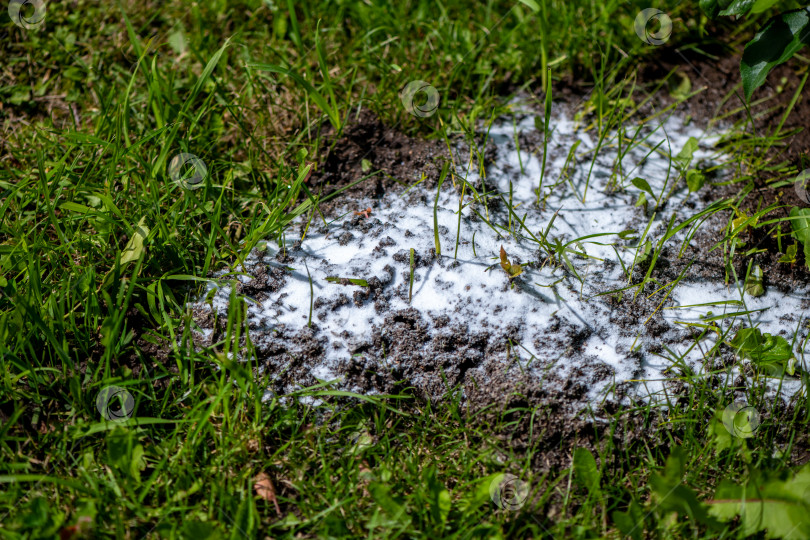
(94,107)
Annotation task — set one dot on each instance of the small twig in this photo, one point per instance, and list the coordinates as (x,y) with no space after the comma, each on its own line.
(50,98)
(75,112)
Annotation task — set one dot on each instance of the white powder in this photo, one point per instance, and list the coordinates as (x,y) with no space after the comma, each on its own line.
(558,323)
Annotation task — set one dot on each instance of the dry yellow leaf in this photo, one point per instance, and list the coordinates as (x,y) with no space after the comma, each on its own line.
(513,270)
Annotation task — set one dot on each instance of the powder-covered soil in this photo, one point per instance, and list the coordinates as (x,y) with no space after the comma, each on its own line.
(550,337)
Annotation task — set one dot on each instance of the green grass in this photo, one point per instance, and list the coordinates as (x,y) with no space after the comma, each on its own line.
(99,249)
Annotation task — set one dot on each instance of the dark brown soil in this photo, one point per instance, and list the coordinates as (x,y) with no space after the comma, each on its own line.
(384,149)
(716,78)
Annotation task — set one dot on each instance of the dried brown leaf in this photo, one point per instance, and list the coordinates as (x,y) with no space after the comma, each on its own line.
(265,489)
(504,261)
(513,270)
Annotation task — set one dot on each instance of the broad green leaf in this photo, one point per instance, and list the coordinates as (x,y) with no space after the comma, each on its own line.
(134,247)
(200,530)
(75,207)
(177,41)
(393,507)
(643,185)
(671,493)
(244,521)
(586,471)
(645,252)
(684,157)
(36,516)
(741,420)
(721,438)
(119,447)
(761,5)
(443,502)
(742,222)
(800,222)
(738,7)
(439,498)
(362,442)
(630,523)
(790,254)
(771,353)
(712,8)
(695,179)
(778,506)
(675,466)
(125,453)
(279,25)
(477,493)
(778,41)
(534,6)
(754,284)
(137,462)
(680,90)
